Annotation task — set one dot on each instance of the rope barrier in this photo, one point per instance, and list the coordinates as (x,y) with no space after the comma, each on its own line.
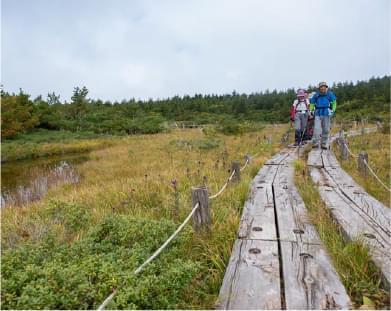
(164,245)
(223,187)
(350,152)
(373,173)
(244,166)
(154,255)
(367,165)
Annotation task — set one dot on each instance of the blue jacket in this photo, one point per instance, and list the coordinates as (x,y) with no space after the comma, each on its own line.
(324,104)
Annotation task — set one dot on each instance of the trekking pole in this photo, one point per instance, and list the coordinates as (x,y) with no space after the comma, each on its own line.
(302,135)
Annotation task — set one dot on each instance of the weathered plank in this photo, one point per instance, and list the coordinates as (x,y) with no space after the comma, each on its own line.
(257,221)
(310,280)
(292,217)
(315,158)
(329,160)
(252,278)
(266,174)
(277,159)
(359,215)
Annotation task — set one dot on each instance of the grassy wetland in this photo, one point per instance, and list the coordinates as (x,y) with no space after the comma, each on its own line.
(74,246)
(377,146)
(351,259)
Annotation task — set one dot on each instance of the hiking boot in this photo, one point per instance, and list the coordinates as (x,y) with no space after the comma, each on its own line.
(324,147)
(315,146)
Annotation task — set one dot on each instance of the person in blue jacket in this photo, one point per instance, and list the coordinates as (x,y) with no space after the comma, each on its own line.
(322,105)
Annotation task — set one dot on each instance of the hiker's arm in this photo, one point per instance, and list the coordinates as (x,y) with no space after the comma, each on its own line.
(333,102)
(334,105)
(293,112)
(312,104)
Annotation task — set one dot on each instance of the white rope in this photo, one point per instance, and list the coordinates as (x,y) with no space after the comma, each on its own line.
(161,248)
(223,187)
(155,254)
(373,173)
(350,152)
(244,166)
(367,165)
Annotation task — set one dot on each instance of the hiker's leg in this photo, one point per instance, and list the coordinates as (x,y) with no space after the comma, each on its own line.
(317,131)
(297,128)
(304,120)
(325,131)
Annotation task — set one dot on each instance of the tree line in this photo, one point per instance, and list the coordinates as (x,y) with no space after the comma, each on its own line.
(20,113)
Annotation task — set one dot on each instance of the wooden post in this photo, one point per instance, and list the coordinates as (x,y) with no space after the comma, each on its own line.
(201,217)
(344,150)
(362,129)
(247,158)
(236,168)
(341,133)
(362,168)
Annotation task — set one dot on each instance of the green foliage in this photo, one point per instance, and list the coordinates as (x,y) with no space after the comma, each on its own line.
(82,274)
(365,98)
(73,216)
(17,114)
(42,142)
(230,126)
(202,144)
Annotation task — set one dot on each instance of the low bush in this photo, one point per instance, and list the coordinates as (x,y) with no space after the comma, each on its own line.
(81,275)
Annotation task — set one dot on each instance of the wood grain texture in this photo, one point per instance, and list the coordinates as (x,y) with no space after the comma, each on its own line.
(278,158)
(290,245)
(252,279)
(310,280)
(315,158)
(360,215)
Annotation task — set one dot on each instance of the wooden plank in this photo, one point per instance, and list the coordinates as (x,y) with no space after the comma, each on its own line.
(329,160)
(315,158)
(356,219)
(277,159)
(266,174)
(252,278)
(258,219)
(310,281)
(293,221)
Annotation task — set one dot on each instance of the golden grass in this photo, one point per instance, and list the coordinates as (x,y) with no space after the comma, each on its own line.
(133,177)
(377,145)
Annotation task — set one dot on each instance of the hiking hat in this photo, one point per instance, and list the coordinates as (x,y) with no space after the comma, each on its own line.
(322,84)
(301,93)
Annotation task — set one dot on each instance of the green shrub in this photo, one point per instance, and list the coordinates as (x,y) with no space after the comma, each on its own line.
(80,276)
(73,216)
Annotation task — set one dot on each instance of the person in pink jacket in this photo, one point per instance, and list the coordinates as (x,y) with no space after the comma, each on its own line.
(299,114)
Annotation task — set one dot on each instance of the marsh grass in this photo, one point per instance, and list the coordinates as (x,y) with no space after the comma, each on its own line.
(43,143)
(377,145)
(351,259)
(132,181)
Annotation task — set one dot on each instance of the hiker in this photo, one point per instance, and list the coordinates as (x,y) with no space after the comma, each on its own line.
(299,114)
(310,123)
(322,105)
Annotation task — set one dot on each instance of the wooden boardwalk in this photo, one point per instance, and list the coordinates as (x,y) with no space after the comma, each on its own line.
(360,215)
(278,260)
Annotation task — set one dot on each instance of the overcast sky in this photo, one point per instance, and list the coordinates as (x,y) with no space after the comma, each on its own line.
(154,49)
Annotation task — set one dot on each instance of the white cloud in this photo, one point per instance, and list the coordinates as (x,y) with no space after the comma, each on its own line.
(142,49)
